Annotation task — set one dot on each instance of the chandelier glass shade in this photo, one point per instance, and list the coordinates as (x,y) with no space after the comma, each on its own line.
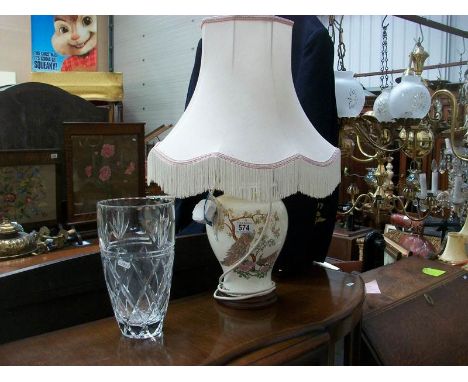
(381,107)
(410,98)
(349,94)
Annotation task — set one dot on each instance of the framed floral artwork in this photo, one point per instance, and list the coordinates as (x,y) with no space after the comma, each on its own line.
(103,161)
(30,187)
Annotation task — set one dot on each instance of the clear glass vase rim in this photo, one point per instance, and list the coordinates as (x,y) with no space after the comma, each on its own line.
(135,202)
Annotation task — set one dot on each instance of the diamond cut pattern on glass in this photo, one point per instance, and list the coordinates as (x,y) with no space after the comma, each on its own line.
(140,293)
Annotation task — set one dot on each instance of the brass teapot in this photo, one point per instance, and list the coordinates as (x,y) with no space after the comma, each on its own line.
(14,242)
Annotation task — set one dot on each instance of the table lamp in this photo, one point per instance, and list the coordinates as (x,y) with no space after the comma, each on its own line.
(454,252)
(244,133)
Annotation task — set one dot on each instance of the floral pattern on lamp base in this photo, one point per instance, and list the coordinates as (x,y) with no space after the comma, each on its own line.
(238,225)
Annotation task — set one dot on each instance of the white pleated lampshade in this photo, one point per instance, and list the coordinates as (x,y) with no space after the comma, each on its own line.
(244,131)
(350,97)
(410,98)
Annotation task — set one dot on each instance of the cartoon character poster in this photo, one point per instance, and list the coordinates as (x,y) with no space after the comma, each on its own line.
(64,43)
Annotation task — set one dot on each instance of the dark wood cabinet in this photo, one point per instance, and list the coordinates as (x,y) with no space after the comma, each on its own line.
(343,245)
(66,287)
(417,319)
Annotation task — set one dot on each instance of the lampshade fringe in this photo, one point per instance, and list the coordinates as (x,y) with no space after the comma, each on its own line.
(213,172)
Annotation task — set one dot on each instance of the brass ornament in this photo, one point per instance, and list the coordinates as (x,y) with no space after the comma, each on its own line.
(14,242)
(418,56)
(417,141)
(96,86)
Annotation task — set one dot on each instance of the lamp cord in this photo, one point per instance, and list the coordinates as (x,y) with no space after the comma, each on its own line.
(238,296)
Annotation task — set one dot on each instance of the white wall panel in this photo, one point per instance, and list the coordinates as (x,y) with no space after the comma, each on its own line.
(156,55)
(15,42)
(455,47)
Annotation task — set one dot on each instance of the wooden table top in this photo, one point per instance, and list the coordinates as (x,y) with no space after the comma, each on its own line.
(198,330)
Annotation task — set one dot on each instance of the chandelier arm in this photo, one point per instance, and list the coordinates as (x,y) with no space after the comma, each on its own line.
(396,199)
(392,201)
(354,206)
(369,157)
(411,217)
(374,144)
(453,125)
(356,159)
(361,160)
(434,120)
(361,150)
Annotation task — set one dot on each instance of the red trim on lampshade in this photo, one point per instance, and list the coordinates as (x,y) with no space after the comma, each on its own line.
(281,163)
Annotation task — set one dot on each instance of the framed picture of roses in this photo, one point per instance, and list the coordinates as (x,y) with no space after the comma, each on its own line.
(103,161)
(30,192)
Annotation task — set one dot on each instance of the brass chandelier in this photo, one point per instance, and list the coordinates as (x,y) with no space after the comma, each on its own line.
(399,123)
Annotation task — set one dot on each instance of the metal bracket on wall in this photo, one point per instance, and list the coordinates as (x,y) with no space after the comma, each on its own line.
(111,44)
(434,25)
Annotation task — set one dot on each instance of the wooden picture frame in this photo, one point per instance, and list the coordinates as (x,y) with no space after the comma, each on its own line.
(103,161)
(30,187)
(154,136)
